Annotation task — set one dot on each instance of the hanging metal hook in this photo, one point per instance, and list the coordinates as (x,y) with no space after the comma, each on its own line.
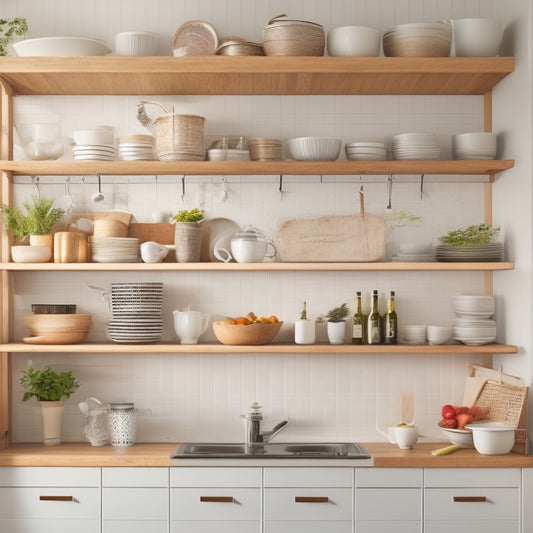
(280,188)
(183,188)
(35,181)
(421,186)
(389,186)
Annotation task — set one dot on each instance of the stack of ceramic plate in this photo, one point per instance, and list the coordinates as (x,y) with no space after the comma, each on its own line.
(114,249)
(265,149)
(418,39)
(473,325)
(136,312)
(493,251)
(94,152)
(136,148)
(410,252)
(415,146)
(365,151)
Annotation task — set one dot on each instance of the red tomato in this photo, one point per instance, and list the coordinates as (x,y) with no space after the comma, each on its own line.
(460,409)
(448,411)
(450,423)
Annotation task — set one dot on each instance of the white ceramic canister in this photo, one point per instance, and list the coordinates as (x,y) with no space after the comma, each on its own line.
(122,424)
(304,331)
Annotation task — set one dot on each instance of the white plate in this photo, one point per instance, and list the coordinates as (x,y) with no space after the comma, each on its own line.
(218,228)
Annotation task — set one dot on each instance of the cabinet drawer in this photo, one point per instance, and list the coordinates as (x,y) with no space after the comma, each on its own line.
(40,525)
(215,477)
(39,503)
(308,504)
(130,526)
(134,504)
(388,504)
(212,526)
(468,477)
(308,477)
(44,476)
(215,504)
(389,477)
(134,477)
(306,526)
(460,504)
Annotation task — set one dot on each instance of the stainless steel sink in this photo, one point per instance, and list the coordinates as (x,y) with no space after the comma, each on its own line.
(322,450)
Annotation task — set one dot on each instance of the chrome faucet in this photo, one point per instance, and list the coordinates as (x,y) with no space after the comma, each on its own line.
(254,435)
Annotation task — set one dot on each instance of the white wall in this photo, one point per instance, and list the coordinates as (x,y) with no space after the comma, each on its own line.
(200,397)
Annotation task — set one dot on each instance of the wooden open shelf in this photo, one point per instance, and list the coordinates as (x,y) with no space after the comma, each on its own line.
(19,347)
(252,75)
(208,168)
(262,267)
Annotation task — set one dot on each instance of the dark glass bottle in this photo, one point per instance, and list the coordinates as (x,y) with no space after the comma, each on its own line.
(390,322)
(374,322)
(358,328)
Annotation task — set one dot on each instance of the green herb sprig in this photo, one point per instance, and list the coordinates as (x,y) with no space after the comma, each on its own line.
(194,215)
(475,235)
(9,28)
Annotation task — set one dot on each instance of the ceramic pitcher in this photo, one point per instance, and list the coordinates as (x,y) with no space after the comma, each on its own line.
(189,325)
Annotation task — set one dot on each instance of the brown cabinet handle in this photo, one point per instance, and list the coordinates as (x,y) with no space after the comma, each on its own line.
(56,498)
(469,498)
(220,499)
(311,499)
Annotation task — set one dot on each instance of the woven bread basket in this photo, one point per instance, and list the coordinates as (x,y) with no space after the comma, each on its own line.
(293,38)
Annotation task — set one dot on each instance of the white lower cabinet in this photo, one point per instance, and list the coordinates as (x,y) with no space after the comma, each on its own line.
(310,500)
(134,500)
(388,500)
(49,500)
(215,500)
(465,500)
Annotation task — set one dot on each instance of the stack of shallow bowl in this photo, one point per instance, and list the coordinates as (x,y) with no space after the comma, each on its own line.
(114,249)
(492,251)
(476,145)
(314,148)
(55,328)
(265,149)
(293,38)
(136,148)
(414,334)
(418,39)
(415,146)
(237,47)
(473,325)
(136,312)
(366,151)
(94,145)
(354,41)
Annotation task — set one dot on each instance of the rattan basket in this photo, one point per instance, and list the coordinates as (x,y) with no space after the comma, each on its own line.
(293,38)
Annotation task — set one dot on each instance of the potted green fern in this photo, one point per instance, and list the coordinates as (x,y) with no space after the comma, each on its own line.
(10,29)
(336,323)
(50,388)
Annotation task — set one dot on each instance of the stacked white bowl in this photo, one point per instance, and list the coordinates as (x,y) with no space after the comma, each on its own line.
(314,148)
(354,41)
(473,325)
(477,37)
(475,145)
(136,148)
(415,146)
(95,144)
(366,151)
(418,39)
(414,334)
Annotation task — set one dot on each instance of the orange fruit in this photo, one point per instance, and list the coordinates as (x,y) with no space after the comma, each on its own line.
(273,319)
(242,320)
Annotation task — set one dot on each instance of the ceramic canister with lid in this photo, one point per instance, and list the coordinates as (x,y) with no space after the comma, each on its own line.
(122,423)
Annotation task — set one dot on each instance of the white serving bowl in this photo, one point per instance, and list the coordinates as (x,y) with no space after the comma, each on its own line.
(31,254)
(463,437)
(97,136)
(354,41)
(136,43)
(474,145)
(314,148)
(61,46)
(492,438)
(439,334)
(477,37)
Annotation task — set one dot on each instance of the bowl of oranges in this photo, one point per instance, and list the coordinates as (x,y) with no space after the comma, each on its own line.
(247,330)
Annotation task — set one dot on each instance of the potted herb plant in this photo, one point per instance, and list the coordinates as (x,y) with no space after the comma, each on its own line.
(50,388)
(475,235)
(188,237)
(336,324)
(9,29)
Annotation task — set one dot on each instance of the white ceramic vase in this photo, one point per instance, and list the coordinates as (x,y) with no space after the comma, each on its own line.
(304,331)
(336,332)
(52,422)
(188,241)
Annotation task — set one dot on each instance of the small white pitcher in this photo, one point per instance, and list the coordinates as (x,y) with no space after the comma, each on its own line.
(189,325)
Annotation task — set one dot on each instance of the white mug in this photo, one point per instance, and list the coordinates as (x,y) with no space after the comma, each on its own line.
(189,325)
(245,251)
(406,436)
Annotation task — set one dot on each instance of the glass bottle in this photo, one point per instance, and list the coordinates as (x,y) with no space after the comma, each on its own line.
(390,323)
(358,326)
(374,321)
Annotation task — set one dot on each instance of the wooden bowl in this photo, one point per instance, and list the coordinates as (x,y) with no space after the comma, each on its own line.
(252,334)
(57,328)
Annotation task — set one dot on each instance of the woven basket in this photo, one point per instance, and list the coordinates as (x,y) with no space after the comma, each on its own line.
(293,38)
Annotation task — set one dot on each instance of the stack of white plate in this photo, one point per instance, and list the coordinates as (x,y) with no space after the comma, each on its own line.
(415,334)
(366,151)
(473,325)
(418,39)
(476,145)
(94,152)
(136,148)
(114,249)
(493,251)
(136,312)
(415,146)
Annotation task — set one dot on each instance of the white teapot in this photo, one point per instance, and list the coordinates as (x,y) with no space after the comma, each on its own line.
(248,245)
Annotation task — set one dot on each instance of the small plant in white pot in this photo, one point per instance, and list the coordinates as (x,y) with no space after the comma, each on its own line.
(336,328)
(50,388)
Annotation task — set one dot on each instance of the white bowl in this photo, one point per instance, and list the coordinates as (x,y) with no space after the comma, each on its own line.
(475,145)
(41,141)
(477,37)
(314,148)
(492,438)
(96,136)
(439,334)
(61,46)
(463,437)
(31,254)
(354,41)
(136,43)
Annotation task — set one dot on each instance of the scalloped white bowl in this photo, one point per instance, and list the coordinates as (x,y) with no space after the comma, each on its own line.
(61,47)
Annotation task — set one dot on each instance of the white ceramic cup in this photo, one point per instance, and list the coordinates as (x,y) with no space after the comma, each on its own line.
(405,436)
(153,252)
(189,325)
(245,251)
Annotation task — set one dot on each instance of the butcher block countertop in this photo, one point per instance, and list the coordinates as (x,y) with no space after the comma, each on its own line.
(158,454)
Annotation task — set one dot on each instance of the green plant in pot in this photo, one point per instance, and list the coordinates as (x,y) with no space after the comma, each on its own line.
(336,323)
(188,236)
(9,30)
(50,388)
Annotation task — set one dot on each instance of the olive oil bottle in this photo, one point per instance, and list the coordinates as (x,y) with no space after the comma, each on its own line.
(358,327)
(374,321)
(390,322)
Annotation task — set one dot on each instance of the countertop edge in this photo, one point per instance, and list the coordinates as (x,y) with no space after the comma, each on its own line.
(384,455)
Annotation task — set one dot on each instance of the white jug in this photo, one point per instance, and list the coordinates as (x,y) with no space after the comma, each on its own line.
(189,325)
